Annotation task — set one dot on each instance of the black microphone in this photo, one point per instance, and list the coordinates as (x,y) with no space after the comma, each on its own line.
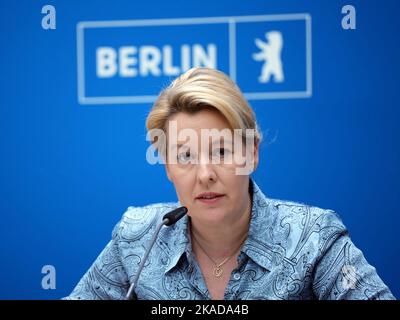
(168,220)
(174,215)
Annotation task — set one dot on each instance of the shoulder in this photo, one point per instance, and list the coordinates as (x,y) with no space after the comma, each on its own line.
(137,221)
(298,226)
(296,214)
(305,213)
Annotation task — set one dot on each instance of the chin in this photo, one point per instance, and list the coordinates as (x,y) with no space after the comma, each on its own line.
(210,215)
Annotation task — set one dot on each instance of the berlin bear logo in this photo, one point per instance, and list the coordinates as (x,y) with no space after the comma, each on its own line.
(270,54)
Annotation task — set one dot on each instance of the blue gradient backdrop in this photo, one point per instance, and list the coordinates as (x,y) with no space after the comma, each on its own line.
(68,171)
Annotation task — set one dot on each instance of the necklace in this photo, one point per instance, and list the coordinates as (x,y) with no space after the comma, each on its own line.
(218,270)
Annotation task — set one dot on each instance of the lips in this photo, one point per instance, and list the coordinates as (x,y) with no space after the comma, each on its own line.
(209,195)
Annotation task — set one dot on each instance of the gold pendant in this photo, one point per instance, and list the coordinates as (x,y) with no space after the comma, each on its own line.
(218,271)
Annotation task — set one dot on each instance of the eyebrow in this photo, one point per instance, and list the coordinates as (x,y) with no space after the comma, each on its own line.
(177,146)
(223,141)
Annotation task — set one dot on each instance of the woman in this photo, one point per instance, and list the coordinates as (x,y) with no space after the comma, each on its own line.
(235,243)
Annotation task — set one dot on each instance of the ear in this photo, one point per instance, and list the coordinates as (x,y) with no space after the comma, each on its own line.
(256,155)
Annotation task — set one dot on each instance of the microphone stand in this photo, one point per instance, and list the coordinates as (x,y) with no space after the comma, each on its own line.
(168,220)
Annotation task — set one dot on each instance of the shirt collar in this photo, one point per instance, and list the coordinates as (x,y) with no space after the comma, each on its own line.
(177,237)
(258,245)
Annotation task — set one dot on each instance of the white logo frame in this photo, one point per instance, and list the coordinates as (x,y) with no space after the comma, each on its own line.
(231,21)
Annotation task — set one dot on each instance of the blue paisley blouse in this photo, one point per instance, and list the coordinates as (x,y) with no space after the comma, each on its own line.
(293,251)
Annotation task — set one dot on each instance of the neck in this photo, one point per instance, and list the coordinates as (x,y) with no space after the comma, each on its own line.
(222,239)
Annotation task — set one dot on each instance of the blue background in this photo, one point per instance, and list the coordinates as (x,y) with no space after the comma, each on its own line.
(68,171)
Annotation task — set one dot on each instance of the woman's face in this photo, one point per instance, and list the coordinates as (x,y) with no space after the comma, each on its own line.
(204,175)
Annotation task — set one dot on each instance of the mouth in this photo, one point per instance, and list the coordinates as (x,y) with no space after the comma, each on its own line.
(210,197)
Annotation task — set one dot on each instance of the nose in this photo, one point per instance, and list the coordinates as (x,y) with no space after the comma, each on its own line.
(206,172)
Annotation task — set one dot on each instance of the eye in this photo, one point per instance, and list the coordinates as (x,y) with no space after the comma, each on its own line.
(184,157)
(221,152)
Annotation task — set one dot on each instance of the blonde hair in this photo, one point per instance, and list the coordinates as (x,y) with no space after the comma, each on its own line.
(200,88)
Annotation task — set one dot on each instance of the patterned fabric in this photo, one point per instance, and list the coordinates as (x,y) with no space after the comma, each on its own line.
(293,251)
